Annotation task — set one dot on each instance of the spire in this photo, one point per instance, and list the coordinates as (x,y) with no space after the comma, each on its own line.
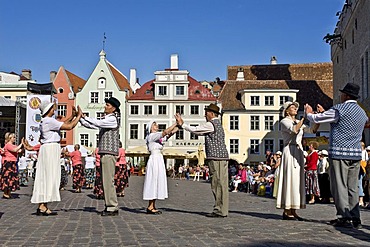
(102,55)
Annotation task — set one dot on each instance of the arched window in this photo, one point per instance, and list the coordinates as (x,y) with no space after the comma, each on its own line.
(101,82)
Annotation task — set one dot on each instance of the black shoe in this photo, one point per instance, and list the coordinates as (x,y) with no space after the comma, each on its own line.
(343,222)
(214,215)
(47,212)
(153,211)
(356,223)
(109,213)
(286,217)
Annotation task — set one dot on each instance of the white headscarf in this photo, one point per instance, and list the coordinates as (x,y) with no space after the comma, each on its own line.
(148,127)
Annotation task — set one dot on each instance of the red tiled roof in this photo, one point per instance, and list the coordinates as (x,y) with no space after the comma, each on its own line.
(310,91)
(76,81)
(120,78)
(196,92)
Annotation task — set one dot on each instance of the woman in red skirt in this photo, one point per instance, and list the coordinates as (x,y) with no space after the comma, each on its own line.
(78,169)
(98,185)
(9,173)
(121,176)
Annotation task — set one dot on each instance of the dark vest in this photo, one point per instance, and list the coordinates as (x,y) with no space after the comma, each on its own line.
(109,140)
(345,135)
(215,142)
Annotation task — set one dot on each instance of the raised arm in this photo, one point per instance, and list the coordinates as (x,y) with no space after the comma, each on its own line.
(68,125)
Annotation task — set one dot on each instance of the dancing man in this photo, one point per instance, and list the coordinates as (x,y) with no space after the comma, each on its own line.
(217,157)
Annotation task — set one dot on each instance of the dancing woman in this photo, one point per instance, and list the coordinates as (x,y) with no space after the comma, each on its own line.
(155,185)
(47,179)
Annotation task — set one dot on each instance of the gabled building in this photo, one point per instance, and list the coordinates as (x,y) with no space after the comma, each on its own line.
(67,85)
(252,100)
(105,81)
(173,90)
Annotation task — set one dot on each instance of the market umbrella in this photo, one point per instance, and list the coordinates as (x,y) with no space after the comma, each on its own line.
(172,153)
(140,151)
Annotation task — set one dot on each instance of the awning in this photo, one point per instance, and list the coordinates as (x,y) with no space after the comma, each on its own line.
(140,151)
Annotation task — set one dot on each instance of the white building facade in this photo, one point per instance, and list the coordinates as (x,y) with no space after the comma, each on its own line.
(105,81)
(172,91)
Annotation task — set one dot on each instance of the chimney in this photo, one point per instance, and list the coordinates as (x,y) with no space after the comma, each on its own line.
(27,73)
(53,74)
(174,61)
(273,60)
(132,77)
(240,75)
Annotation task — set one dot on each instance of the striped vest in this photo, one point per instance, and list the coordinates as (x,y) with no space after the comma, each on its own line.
(215,142)
(109,140)
(346,134)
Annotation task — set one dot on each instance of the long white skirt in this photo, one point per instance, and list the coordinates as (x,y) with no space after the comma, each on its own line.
(48,174)
(291,189)
(155,185)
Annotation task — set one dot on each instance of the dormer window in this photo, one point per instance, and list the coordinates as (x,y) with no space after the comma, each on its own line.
(101,82)
(197,92)
(60,90)
(147,92)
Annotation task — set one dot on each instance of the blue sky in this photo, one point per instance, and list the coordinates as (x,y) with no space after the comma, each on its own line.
(43,35)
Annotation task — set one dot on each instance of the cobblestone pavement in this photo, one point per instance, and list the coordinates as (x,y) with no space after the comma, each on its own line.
(253,221)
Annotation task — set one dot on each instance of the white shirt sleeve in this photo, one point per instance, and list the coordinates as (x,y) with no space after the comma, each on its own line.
(329,116)
(201,129)
(108,122)
(86,124)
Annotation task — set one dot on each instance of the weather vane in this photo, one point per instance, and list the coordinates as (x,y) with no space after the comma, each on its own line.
(104,38)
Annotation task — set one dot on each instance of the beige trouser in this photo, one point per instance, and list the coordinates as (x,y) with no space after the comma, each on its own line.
(108,165)
(218,170)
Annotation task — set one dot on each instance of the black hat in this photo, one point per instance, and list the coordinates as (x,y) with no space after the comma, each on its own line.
(214,108)
(114,102)
(351,89)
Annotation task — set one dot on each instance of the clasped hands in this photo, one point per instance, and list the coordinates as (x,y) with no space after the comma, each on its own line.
(78,112)
(308,109)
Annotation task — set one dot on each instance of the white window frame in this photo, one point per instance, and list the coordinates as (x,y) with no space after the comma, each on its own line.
(234,146)
(255,100)
(193,109)
(254,143)
(182,109)
(136,107)
(83,140)
(62,110)
(180,135)
(162,108)
(162,88)
(269,123)
(108,94)
(149,108)
(234,122)
(134,132)
(255,122)
(182,89)
(94,99)
(269,99)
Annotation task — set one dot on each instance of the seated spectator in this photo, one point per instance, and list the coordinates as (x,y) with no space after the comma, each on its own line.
(241,177)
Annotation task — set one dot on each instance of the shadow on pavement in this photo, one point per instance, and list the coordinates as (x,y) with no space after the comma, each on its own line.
(183,211)
(1,214)
(134,210)
(85,209)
